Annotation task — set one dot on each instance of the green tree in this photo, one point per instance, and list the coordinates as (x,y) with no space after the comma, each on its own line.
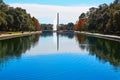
(1,1)
(104,19)
(83,15)
(15,19)
(70,26)
(116,1)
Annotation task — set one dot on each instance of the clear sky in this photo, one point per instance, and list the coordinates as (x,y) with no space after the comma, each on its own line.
(45,10)
(62,2)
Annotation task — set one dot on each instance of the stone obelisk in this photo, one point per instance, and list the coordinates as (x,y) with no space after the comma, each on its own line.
(57,21)
(57,31)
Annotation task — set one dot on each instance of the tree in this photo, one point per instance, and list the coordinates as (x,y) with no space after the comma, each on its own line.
(16,19)
(83,15)
(92,10)
(36,23)
(70,26)
(104,19)
(1,1)
(116,1)
(80,25)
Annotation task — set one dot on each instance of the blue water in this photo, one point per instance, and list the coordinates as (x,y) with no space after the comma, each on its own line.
(74,60)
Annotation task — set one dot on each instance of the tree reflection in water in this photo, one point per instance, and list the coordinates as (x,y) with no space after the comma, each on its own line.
(13,48)
(69,34)
(104,50)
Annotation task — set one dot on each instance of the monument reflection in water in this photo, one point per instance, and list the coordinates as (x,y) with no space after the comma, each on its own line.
(55,30)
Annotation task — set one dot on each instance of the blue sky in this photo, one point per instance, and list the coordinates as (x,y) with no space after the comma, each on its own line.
(62,2)
(45,10)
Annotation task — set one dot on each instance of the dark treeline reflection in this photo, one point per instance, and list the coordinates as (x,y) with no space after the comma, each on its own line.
(13,48)
(104,50)
(69,34)
(46,33)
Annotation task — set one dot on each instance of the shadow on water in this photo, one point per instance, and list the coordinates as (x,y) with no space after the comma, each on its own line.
(104,50)
(14,48)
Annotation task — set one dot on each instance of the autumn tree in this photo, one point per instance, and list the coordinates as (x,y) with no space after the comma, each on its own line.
(80,25)
(36,23)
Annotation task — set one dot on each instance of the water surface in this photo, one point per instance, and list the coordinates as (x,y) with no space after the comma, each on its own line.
(68,56)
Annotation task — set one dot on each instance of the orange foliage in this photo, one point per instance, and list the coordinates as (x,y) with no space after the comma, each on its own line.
(37,36)
(37,24)
(80,24)
(80,39)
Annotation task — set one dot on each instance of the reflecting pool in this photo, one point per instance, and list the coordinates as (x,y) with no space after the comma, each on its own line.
(59,56)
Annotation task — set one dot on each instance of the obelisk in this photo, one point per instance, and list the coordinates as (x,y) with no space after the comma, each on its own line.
(57,31)
(57,21)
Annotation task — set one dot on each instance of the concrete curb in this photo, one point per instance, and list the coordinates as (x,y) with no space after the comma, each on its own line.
(9,36)
(110,37)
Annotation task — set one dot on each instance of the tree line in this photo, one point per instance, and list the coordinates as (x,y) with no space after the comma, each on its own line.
(62,27)
(46,27)
(104,19)
(16,19)
(66,27)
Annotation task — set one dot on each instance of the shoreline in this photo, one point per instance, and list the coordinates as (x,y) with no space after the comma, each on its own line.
(9,36)
(104,36)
